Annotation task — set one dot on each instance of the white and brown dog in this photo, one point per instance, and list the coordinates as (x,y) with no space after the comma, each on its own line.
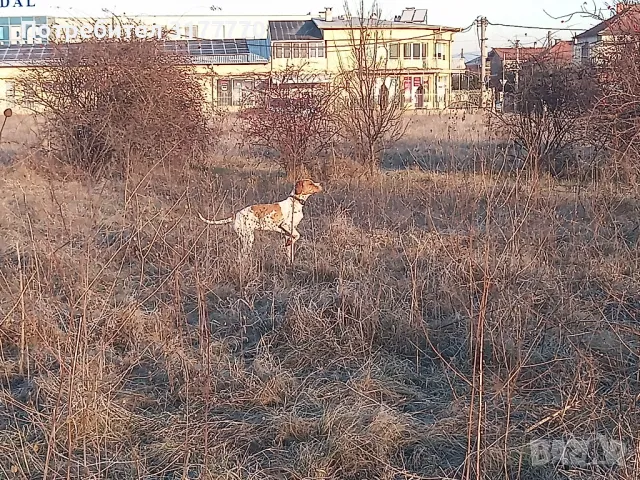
(282,217)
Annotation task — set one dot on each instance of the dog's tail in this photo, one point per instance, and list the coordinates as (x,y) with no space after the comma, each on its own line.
(216,222)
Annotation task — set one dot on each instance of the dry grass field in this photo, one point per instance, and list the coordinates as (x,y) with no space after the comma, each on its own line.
(439,317)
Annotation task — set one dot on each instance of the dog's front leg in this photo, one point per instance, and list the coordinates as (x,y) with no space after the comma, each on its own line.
(289,242)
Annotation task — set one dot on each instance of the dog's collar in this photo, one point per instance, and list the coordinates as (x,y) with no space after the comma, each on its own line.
(299,200)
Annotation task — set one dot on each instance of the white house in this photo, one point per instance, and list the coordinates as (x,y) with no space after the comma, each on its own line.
(626,21)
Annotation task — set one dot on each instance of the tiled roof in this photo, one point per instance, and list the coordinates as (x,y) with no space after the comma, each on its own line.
(282,30)
(522,53)
(560,52)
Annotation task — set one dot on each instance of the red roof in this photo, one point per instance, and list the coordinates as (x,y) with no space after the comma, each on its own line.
(624,23)
(524,53)
(562,52)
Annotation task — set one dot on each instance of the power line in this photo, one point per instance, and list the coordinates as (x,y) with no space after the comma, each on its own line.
(537,28)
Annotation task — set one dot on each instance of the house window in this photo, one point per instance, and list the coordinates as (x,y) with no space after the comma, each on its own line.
(300,50)
(584,52)
(440,51)
(415,51)
(316,50)
(394,50)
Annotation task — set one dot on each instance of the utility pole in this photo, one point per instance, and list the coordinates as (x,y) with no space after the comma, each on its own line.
(483,58)
(549,39)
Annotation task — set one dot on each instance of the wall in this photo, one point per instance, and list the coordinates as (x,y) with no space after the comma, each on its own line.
(209,77)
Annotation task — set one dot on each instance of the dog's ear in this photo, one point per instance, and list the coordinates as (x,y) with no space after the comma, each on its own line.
(299,188)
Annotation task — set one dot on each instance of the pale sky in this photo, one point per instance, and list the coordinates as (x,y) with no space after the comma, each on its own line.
(455,13)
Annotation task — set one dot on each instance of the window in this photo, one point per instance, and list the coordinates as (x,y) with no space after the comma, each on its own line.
(584,53)
(394,50)
(300,50)
(316,50)
(415,51)
(439,52)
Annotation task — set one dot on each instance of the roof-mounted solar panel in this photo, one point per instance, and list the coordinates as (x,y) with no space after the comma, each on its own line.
(420,15)
(407,15)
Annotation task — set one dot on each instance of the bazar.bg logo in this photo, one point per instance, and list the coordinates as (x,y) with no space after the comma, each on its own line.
(99,31)
(575,452)
(17,3)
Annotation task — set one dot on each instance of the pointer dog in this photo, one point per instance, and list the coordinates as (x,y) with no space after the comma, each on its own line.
(282,217)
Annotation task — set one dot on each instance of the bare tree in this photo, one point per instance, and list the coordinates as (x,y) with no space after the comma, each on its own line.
(291,113)
(370,107)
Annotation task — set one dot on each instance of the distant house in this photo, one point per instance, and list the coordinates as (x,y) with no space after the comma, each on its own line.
(626,21)
(473,66)
(506,62)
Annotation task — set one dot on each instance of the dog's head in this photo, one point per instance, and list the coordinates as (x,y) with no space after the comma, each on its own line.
(307,187)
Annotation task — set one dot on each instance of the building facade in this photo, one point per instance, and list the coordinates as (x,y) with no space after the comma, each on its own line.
(590,44)
(232,53)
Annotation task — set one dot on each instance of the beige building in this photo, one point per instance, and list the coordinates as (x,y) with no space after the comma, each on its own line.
(230,52)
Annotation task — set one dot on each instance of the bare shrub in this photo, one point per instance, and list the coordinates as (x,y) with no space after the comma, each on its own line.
(551,120)
(370,107)
(106,101)
(292,116)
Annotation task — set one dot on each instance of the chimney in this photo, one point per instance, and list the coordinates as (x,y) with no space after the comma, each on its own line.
(328,14)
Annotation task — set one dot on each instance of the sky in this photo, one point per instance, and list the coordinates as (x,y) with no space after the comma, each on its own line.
(458,13)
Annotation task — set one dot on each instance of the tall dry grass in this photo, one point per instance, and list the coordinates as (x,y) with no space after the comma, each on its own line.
(434,323)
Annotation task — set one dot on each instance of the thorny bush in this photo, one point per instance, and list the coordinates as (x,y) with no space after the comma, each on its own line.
(552,103)
(108,102)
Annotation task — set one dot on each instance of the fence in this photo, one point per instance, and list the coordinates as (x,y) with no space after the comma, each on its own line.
(469,99)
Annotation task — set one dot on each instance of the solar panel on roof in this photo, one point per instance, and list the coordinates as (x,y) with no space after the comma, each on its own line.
(194,48)
(407,15)
(420,15)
